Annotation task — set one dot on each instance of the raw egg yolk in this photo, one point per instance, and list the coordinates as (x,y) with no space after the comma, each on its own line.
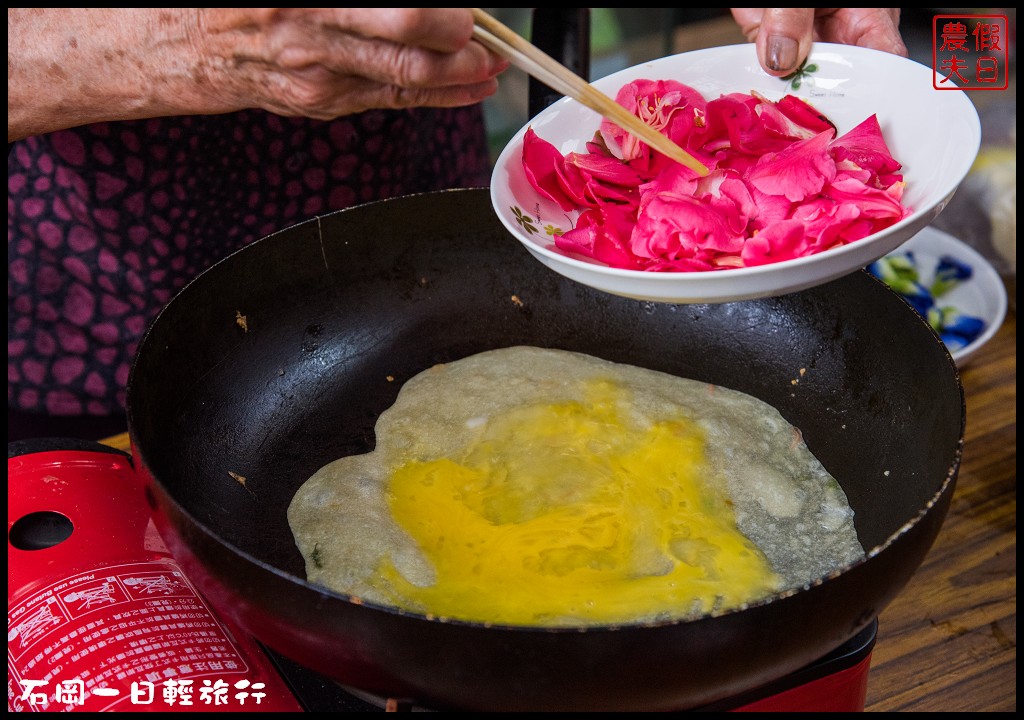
(574,511)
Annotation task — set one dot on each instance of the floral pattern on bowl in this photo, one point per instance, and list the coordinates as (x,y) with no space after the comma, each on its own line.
(803,74)
(900,272)
(951,285)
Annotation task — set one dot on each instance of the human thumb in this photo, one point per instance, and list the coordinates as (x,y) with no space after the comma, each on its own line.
(784,39)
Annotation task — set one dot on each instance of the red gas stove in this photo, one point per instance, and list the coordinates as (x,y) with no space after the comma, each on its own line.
(101,617)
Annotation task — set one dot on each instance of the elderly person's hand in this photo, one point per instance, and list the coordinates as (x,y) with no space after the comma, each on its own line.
(72,66)
(784,35)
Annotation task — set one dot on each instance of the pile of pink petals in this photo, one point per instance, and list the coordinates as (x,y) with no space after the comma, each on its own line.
(781,184)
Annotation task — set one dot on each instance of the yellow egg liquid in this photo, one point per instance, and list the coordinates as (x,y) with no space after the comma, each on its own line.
(566,512)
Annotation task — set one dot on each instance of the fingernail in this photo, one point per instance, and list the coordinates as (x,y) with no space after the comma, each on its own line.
(499,65)
(781,53)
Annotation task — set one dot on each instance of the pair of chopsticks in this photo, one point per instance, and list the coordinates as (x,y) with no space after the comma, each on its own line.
(498,38)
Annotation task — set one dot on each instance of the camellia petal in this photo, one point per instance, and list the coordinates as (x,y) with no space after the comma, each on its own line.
(674,227)
(598,179)
(874,203)
(734,124)
(865,146)
(542,164)
(804,115)
(799,171)
(770,208)
(654,102)
(731,197)
(782,241)
(605,169)
(677,180)
(780,185)
(603,234)
(828,223)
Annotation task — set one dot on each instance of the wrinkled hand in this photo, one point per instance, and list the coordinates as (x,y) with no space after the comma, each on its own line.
(326,62)
(73,66)
(784,35)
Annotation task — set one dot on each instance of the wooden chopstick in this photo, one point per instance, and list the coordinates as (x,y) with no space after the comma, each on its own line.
(495,36)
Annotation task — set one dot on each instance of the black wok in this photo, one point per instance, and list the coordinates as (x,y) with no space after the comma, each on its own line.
(280,358)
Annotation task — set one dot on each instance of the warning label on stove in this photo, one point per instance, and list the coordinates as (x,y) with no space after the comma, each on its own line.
(122,637)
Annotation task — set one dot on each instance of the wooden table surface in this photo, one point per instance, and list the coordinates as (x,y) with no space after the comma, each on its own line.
(948,642)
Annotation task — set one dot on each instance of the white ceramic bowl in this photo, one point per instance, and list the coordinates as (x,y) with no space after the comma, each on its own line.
(935,134)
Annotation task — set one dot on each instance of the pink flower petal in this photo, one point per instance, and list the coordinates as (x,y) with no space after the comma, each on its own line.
(603,234)
(804,115)
(782,241)
(541,163)
(865,147)
(676,227)
(597,179)
(797,172)
(655,102)
(874,203)
(734,123)
(728,195)
(605,169)
(829,223)
(676,179)
(770,208)
(780,186)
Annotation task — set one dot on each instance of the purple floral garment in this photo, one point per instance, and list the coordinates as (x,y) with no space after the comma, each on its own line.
(105,223)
